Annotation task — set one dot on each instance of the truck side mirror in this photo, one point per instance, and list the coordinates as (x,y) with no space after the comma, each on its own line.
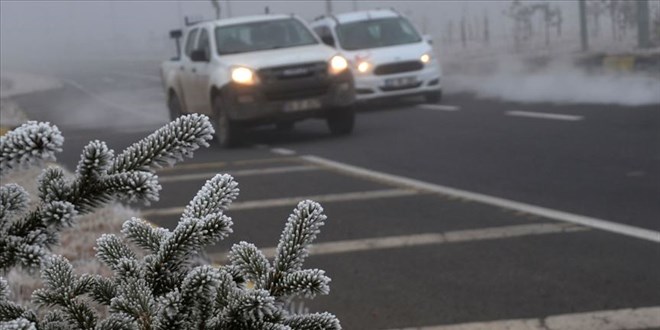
(328,40)
(428,38)
(199,55)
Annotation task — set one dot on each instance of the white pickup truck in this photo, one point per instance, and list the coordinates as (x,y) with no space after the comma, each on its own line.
(267,69)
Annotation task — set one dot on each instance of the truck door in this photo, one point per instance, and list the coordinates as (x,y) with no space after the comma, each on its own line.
(201,71)
(186,74)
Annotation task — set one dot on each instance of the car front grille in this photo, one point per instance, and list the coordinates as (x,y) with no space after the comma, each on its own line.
(318,70)
(398,67)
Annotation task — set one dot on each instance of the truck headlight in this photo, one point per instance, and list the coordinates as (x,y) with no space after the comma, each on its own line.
(338,64)
(243,75)
(425,58)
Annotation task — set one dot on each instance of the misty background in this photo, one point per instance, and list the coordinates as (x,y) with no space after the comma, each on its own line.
(474,39)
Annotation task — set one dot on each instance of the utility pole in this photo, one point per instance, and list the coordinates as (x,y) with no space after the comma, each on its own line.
(643,26)
(229,8)
(583,25)
(328,7)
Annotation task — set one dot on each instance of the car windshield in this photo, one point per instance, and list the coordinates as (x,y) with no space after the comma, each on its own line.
(376,33)
(249,37)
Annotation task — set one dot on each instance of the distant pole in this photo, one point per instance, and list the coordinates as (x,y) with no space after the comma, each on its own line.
(180,11)
(328,7)
(583,25)
(229,8)
(643,26)
(355,5)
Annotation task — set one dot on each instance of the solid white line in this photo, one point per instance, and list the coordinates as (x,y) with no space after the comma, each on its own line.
(441,107)
(239,173)
(108,102)
(138,75)
(610,226)
(283,151)
(391,242)
(544,115)
(619,319)
(292,201)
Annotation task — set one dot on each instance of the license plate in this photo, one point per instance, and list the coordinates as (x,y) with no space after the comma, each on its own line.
(400,82)
(302,105)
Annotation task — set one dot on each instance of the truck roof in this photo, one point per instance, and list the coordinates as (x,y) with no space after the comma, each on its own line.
(241,20)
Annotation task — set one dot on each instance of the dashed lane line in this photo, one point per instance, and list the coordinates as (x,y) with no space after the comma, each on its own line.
(544,115)
(239,173)
(292,201)
(440,107)
(283,151)
(610,226)
(620,319)
(458,236)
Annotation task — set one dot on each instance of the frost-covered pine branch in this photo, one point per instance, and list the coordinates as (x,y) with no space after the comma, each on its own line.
(100,177)
(163,286)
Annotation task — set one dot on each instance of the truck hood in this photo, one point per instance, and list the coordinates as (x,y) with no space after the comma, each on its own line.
(280,57)
(398,53)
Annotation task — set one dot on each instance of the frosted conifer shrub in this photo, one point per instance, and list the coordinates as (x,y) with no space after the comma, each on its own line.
(165,288)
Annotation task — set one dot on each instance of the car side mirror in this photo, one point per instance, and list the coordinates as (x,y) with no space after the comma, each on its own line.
(328,40)
(199,55)
(428,38)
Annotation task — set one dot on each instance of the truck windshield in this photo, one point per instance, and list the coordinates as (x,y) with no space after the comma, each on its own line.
(376,33)
(255,36)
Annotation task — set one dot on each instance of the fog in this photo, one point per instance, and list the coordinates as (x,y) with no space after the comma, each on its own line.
(52,37)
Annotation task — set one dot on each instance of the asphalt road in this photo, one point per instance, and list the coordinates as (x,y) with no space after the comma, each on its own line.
(416,253)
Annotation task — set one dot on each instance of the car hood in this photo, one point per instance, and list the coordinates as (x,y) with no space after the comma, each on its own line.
(398,53)
(280,57)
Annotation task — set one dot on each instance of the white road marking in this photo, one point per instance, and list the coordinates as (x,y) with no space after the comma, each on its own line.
(292,201)
(218,165)
(283,151)
(544,115)
(138,75)
(619,319)
(400,181)
(109,103)
(238,173)
(391,242)
(441,107)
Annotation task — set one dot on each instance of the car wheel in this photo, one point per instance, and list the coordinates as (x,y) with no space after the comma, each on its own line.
(174,106)
(341,120)
(227,132)
(285,126)
(433,97)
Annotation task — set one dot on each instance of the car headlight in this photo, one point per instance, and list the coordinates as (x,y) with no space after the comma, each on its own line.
(338,64)
(425,58)
(363,66)
(243,75)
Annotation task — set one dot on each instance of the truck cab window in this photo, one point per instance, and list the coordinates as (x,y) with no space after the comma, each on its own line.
(203,43)
(190,41)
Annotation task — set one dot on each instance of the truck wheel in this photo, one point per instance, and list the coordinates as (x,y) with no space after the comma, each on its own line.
(227,132)
(174,105)
(341,120)
(433,97)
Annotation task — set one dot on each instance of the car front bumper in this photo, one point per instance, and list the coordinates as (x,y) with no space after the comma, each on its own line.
(369,86)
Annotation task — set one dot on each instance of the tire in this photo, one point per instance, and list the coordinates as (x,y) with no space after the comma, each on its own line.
(433,97)
(341,120)
(227,132)
(285,126)
(174,106)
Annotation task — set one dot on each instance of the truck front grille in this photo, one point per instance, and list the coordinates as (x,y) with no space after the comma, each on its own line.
(317,70)
(398,67)
(296,92)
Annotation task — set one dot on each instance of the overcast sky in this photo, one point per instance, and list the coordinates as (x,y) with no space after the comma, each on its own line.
(46,29)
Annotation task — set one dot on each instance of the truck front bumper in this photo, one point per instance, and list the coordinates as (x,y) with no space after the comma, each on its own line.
(291,101)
